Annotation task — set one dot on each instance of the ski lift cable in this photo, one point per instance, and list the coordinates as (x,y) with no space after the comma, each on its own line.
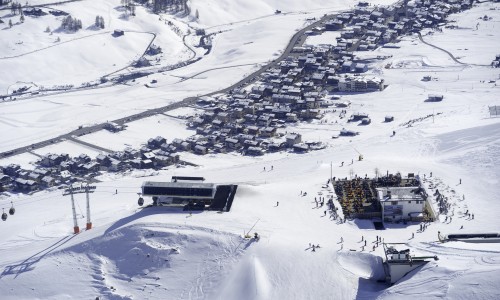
(79,208)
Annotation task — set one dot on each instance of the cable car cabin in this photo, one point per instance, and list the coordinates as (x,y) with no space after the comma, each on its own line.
(179,193)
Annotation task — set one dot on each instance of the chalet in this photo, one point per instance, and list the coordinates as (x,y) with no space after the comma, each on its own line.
(268,132)
(12,169)
(48,181)
(148,155)
(155,143)
(174,157)
(223,116)
(91,167)
(103,160)
(135,163)
(26,185)
(253,130)
(276,146)
(23,174)
(360,68)
(83,158)
(215,124)
(365,121)
(177,142)
(232,143)
(147,164)
(254,151)
(292,139)
(347,66)
(334,25)
(434,98)
(113,127)
(201,150)
(264,120)
(131,152)
(357,117)
(311,103)
(219,148)
(117,165)
(300,148)
(185,146)
(52,160)
(35,177)
(5,179)
(162,161)
(318,78)
(118,32)
(345,132)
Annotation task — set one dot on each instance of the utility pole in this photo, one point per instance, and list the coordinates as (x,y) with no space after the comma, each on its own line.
(88,190)
(78,190)
(70,191)
(331,172)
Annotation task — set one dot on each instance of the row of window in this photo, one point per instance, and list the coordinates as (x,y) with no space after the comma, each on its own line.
(417,201)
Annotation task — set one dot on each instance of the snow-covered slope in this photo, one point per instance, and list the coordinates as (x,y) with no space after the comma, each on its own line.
(160,253)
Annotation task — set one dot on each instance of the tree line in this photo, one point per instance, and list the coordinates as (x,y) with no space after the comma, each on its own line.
(175,6)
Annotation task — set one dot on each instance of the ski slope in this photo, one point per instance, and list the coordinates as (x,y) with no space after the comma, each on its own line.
(162,253)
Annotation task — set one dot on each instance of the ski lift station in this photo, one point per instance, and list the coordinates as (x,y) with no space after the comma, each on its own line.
(399,261)
(191,193)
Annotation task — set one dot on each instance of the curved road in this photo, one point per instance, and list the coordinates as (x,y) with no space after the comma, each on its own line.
(297,39)
(449,53)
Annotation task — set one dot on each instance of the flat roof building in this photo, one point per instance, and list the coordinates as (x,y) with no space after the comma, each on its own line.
(186,190)
(401,203)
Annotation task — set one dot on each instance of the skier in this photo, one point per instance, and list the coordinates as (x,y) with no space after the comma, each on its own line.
(325,212)
(460,181)
(412,235)
(277,203)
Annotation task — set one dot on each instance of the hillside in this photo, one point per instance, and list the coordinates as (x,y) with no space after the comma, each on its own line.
(135,252)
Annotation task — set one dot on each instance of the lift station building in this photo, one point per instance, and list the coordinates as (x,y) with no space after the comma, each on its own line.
(190,193)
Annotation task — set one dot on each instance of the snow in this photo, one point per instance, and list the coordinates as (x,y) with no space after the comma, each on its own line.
(69,147)
(162,253)
(139,132)
(327,38)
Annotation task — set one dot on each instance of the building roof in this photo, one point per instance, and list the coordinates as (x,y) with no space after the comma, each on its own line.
(399,193)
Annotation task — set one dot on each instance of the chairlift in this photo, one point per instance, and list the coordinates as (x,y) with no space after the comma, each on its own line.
(140,201)
(4,215)
(12,210)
